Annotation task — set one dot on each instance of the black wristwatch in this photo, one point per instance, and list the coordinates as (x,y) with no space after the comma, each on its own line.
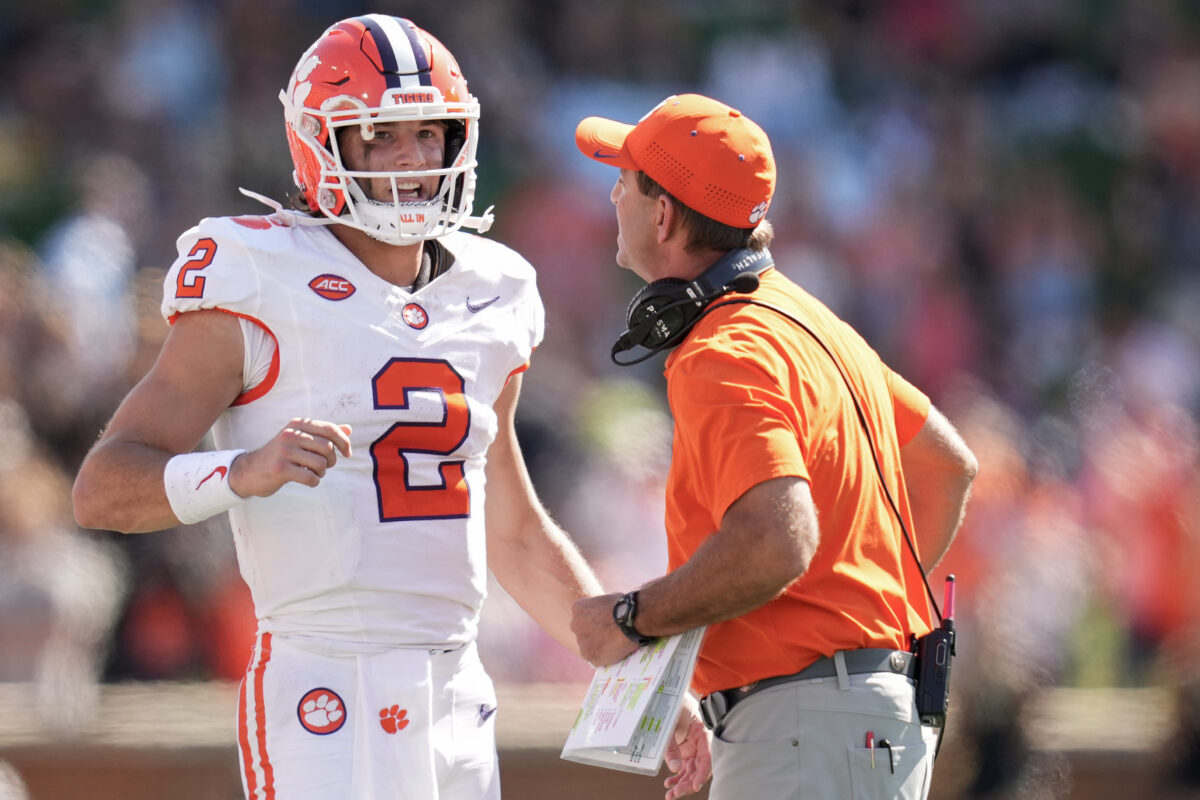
(624,612)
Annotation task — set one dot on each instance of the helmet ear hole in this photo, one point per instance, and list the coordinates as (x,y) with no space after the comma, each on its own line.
(456,137)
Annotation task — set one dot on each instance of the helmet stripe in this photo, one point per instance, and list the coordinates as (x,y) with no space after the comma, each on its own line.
(403,57)
(383,44)
(418,52)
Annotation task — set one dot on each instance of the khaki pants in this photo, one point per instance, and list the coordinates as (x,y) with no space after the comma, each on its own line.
(807,740)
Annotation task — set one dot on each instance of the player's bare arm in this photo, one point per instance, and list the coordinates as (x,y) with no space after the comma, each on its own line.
(938,470)
(767,539)
(531,556)
(197,375)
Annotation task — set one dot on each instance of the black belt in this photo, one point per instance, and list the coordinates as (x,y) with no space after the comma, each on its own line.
(714,707)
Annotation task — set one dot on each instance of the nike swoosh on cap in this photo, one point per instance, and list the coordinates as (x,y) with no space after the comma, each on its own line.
(599,154)
(475,308)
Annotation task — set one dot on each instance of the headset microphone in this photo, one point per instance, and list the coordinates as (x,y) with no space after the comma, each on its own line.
(745,283)
(662,313)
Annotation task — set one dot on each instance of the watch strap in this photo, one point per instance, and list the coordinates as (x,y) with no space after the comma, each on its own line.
(624,614)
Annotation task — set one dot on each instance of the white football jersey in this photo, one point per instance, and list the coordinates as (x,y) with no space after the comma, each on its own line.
(389,549)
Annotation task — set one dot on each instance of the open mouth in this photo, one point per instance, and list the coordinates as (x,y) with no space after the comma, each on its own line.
(408,191)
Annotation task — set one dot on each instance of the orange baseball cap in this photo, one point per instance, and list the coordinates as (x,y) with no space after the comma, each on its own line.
(709,156)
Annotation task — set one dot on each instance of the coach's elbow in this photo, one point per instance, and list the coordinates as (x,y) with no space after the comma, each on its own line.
(968,465)
(967,468)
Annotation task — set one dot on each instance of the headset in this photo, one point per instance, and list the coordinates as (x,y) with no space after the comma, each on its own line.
(661,314)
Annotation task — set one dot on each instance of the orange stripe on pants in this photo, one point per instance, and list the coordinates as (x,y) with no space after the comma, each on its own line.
(254,682)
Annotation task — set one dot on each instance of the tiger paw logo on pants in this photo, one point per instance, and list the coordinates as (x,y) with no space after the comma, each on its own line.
(321,711)
(394,719)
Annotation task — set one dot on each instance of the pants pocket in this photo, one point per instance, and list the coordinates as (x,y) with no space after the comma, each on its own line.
(755,769)
(898,772)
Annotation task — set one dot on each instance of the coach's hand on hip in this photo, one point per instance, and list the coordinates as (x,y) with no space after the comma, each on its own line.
(600,640)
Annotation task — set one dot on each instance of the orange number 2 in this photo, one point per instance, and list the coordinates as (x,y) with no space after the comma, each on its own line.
(399,498)
(201,255)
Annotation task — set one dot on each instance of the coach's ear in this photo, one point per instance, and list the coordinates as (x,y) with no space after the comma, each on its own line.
(666,218)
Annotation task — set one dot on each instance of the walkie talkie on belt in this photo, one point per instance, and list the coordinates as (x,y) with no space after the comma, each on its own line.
(934,652)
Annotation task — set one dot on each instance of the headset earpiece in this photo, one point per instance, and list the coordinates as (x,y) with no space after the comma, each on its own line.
(660,315)
(655,313)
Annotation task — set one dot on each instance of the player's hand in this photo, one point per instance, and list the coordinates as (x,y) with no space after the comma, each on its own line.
(688,755)
(300,453)
(600,640)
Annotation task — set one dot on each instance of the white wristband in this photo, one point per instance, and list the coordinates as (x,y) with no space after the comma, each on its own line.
(197,484)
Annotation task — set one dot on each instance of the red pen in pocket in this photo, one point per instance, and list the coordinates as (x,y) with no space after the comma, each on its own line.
(871,746)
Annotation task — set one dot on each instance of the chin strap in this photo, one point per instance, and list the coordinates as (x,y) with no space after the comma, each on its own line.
(481,223)
(266,201)
(288,216)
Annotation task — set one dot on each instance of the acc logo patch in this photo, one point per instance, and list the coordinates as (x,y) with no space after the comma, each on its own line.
(321,711)
(331,287)
(394,719)
(414,316)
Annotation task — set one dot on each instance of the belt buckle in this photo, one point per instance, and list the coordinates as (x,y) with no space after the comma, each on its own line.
(713,708)
(896,661)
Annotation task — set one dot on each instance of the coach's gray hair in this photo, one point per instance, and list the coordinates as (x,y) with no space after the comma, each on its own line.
(705,233)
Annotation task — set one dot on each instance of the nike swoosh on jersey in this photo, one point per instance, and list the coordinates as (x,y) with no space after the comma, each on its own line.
(475,308)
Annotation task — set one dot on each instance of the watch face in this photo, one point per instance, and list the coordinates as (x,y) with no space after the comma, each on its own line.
(621,610)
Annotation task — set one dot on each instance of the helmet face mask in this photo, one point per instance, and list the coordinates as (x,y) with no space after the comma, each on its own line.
(376,69)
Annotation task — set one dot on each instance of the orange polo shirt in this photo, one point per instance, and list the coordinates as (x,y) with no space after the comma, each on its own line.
(755,398)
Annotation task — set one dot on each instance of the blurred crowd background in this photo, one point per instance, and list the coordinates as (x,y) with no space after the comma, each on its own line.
(1003,196)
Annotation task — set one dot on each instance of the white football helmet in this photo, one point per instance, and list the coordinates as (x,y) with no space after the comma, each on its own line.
(370,69)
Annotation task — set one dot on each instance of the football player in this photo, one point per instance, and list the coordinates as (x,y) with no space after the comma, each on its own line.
(358,360)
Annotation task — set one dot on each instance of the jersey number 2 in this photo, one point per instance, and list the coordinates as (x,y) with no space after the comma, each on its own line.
(394,387)
(199,257)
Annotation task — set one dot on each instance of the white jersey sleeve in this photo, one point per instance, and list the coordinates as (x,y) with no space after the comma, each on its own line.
(258,354)
(209,275)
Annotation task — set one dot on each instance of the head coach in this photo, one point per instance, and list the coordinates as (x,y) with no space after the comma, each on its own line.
(811,487)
